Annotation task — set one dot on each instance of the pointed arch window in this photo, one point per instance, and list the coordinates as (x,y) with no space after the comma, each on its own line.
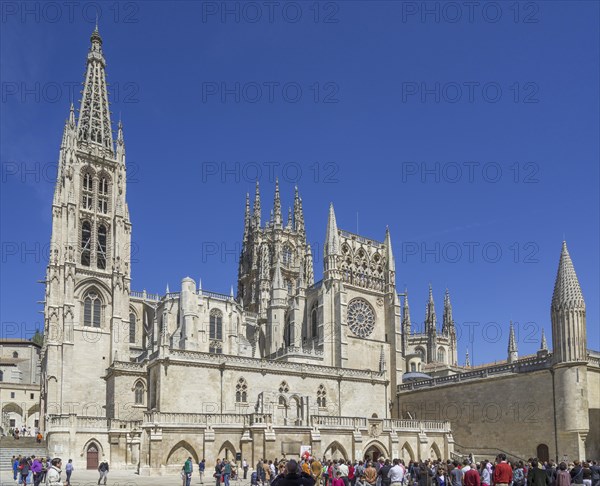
(216,325)
(103,186)
(314,321)
(132,322)
(86,243)
(288,332)
(287,256)
(321,396)
(441,355)
(87,192)
(92,309)
(139,392)
(241,391)
(290,287)
(101,247)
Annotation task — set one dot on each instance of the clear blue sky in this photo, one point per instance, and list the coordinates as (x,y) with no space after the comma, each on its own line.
(516,90)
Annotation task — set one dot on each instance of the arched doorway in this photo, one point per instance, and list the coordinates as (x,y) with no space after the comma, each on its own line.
(373,452)
(92,457)
(543,454)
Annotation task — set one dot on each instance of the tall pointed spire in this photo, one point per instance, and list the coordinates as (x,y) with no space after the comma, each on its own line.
(567,291)
(467,360)
(94,125)
(332,238)
(290,219)
(430,317)
(257,211)
(569,334)
(247,218)
(513,354)
(388,251)
(298,212)
(543,344)
(406,315)
(277,206)
(447,320)
(120,143)
(332,246)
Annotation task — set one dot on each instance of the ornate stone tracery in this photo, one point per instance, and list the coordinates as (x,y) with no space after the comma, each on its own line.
(361,317)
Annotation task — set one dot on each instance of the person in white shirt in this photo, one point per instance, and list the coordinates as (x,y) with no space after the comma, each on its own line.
(396,473)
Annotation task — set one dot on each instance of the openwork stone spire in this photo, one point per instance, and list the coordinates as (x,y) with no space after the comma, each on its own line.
(277,206)
(430,317)
(94,126)
(512,344)
(567,292)
(257,216)
(406,315)
(569,339)
(544,343)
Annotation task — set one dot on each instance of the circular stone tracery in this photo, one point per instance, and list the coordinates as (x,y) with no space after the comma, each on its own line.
(361,317)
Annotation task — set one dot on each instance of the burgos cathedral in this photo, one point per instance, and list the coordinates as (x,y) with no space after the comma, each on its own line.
(285,355)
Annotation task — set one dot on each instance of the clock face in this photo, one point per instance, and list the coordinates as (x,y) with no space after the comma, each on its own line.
(361,318)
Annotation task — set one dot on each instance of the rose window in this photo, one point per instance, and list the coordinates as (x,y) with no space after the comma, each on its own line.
(361,317)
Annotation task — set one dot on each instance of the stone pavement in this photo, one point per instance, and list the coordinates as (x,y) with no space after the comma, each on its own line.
(124,478)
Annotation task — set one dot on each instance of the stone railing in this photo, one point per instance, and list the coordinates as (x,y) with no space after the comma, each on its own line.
(325,421)
(360,239)
(215,295)
(201,419)
(296,350)
(417,425)
(532,363)
(129,366)
(66,421)
(144,295)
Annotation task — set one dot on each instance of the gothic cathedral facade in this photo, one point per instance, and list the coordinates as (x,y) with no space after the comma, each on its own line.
(147,380)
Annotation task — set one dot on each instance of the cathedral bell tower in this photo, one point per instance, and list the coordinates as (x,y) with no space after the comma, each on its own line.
(88,274)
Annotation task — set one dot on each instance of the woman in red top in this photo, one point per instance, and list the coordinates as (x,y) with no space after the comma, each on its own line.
(351,476)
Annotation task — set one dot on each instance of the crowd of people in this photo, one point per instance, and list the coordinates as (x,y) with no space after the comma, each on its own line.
(309,471)
(40,470)
(23,431)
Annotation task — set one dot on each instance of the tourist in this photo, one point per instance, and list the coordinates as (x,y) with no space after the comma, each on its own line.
(267,472)
(316,471)
(577,474)
(503,473)
(471,476)
(201,469)
(396,474)
(39,437)
(484,473)
(15,466)
(218,471)
(293,476)
(53,474)
(344,471)
(351,473)
(440,479)
(423,475)
(36,470)
(383,473)
(226,472)
(536,476)
(519,474)
(563,478)
(587,474)
(456,475)
(69,471)
(595,473)
(371,474)
(24,468)
(187,472)
(245,468)
(103,470)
